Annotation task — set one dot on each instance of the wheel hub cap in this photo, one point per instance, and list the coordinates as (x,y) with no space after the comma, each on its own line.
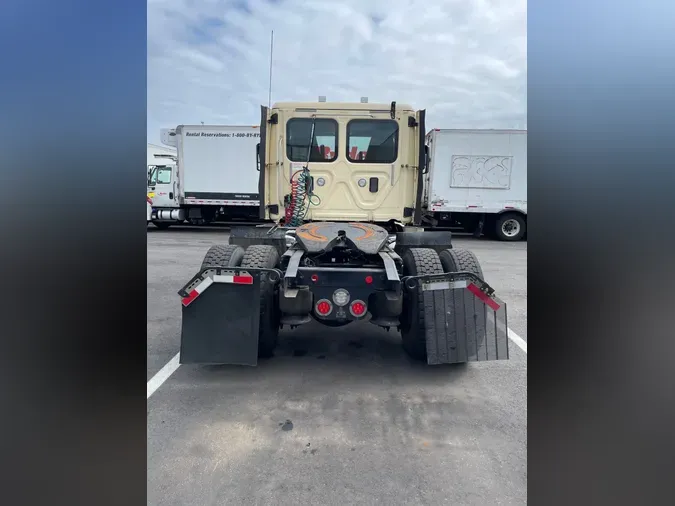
(510,228)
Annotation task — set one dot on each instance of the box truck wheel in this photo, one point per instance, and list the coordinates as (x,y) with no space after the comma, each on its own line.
(264,256)
(417,262)
(510,227)
(223,256)
(462,260)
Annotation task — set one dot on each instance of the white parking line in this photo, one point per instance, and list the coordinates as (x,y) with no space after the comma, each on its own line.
(520,342)
(515,338)
(163,374)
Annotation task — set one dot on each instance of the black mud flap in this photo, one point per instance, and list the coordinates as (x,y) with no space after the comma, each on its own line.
(464,320)
(221,315)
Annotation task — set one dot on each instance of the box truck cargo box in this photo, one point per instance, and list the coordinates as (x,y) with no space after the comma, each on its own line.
(477,180)
(215,177)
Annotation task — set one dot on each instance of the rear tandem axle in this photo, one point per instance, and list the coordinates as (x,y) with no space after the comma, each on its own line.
(336,274)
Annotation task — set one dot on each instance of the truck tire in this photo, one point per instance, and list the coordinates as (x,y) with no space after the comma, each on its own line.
(264,256)
(462,260)
(458,260)
(510,227)
(417,262)
(226,255)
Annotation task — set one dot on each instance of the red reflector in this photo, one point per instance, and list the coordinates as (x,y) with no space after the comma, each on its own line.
(483,296)
(358,308)
(323,307)
(187,300)
(243,280)
(369,280)
(315,278)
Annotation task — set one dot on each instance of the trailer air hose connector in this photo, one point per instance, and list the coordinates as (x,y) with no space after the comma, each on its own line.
(300,199)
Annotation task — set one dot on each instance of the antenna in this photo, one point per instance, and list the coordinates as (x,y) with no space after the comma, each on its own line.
(269,98)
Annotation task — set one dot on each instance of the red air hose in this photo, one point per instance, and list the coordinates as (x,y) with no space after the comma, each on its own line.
(295,185)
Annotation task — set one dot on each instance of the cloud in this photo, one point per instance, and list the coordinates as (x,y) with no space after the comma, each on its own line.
(463,60)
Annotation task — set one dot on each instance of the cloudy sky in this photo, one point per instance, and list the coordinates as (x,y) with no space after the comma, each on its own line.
(463,60)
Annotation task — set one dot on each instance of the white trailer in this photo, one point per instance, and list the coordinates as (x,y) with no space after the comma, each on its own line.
(477,180)
(215,177)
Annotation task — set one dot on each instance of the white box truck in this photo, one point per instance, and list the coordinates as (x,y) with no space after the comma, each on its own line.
(215,176)
(477,180)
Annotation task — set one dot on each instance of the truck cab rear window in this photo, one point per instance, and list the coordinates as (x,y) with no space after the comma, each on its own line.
(324,143)
(372,141)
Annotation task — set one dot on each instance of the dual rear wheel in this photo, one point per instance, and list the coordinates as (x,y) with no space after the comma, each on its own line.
(254,257)
(425,261)
(416,262)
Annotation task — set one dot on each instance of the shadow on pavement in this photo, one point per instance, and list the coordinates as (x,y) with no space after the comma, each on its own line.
(346,354)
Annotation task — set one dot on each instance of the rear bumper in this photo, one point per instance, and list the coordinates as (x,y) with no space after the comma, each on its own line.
(304,288)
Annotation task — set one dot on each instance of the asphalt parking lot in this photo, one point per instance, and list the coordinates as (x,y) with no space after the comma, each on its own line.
(339,416)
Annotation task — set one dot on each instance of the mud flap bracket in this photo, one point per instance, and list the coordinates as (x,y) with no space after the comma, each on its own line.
(464,320)
(221,315)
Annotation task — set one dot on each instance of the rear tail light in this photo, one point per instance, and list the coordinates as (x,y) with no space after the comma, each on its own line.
(323,307)
(358,308)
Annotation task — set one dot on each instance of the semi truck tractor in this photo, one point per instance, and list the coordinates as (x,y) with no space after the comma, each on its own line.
(342,185)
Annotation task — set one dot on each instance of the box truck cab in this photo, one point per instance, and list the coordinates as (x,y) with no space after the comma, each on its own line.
(162,192)
(161,184)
